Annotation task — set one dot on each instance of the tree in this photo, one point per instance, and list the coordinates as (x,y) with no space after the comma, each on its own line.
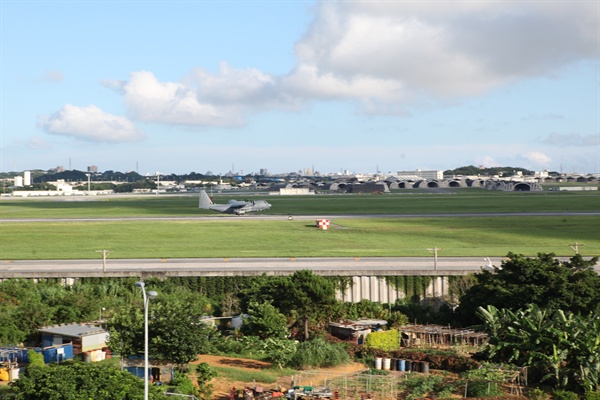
(176,331)
(80,381)
(265,321)
(572,286)
(309,296)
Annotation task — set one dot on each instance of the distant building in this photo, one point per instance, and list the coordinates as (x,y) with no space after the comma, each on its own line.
(92,168)
(423,174)
(27,178)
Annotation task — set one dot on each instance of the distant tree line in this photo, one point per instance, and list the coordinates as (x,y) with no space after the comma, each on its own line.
(491,171)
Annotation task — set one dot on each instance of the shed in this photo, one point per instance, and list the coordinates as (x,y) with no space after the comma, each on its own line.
(85,337)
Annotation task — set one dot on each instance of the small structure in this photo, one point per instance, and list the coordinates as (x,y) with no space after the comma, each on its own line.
(355,331)
(439,336)
(88,340)
(158,370)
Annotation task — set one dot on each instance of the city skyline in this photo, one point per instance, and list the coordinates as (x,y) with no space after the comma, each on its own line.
(360,86)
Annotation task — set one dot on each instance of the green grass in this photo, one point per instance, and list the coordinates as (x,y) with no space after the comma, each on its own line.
(269,375)
(245,237)
(404,202)
(353,237)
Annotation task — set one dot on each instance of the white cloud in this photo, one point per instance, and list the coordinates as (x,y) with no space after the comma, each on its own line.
(572,139)
(147,99)
(90,123)
(388,57)
(536,158)
(440,50)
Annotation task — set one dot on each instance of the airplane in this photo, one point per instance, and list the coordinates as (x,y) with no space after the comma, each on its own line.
(233,206)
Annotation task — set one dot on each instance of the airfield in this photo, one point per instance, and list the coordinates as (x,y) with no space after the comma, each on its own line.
(370,235)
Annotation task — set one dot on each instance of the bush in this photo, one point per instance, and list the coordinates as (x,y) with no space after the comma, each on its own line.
(482,389)
(538,394)
(564,395)
(592,395)
(319,353)
(383,340)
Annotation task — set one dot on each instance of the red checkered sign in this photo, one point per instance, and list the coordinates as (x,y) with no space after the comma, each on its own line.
(323,224)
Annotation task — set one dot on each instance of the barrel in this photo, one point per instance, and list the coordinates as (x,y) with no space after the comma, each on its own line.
(425,367)
(386,364)
(401,365)
(408,365)
(416,366)
(378,362)
(394,364)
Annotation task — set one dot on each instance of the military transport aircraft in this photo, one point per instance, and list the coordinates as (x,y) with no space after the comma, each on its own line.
(233,206)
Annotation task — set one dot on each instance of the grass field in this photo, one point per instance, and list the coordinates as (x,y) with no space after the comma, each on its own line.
(355,237)
(406,202)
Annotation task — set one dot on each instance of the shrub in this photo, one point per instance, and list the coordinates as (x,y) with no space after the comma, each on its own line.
(593,395)
(538,394)
(481,388)
(383,340)
(564,395)
(319,353)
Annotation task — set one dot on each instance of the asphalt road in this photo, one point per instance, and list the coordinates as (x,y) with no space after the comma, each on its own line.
(340,266)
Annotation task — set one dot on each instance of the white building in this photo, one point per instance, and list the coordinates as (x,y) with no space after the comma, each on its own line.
(432,175)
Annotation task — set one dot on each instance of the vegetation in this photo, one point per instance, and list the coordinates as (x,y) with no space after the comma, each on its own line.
(319,353)
(80,381)
(454,201)
(251,238)
(572,286)
(562,349)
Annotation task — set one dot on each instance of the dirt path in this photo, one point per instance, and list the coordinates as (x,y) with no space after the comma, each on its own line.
(221,386)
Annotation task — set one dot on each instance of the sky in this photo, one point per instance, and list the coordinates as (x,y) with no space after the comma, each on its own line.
(287,86)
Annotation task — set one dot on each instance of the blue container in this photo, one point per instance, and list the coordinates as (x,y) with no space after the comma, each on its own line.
(401,365)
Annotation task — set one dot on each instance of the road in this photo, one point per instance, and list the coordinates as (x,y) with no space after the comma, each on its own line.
(338,266)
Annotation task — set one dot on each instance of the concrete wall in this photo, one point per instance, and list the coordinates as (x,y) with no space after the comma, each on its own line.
(376,289)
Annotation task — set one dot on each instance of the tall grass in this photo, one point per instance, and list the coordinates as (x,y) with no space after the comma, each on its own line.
(318,353)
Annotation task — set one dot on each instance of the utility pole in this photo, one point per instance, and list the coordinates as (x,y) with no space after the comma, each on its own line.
(575,246)
(435,252)
(104,254)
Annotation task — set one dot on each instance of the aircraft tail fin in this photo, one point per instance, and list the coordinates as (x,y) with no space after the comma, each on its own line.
(205,201)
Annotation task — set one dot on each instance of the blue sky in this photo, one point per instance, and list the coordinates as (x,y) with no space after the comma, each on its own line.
(184,86)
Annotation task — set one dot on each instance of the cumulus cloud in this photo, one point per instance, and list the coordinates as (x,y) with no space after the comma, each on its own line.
(148,99)
(572,139)
(536,158)
(450,49)
(90,123)
(387,57)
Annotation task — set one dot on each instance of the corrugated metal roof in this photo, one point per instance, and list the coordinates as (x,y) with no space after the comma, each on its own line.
(72,330)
